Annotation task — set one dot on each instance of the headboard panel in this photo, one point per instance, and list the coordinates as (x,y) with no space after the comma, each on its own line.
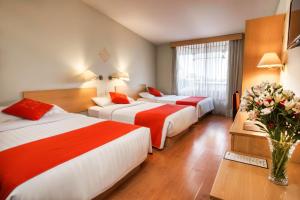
(72,100)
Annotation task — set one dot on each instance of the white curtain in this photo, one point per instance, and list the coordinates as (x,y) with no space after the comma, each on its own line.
(202,70)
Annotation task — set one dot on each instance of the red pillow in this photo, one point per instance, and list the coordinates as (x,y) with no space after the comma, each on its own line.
(154,92)
(28,109)
(118,98)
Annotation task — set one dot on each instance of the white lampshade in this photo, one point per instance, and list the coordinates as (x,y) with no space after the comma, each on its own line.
(269,60)
(88,75)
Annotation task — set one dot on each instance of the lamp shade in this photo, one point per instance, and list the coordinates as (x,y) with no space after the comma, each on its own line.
(269,60)
(88,75)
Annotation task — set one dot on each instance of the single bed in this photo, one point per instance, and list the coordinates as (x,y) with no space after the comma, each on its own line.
(174,123)
(85,176)
(203,107)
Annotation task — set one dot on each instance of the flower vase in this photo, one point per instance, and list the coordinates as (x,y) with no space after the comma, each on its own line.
(281,153)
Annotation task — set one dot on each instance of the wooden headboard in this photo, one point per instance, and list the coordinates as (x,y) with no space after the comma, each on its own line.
(72,100)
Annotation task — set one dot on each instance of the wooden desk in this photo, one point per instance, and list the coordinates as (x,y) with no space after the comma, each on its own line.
(245,182)
(251,142)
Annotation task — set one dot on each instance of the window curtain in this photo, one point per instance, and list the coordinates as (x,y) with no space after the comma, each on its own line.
(202,70)
(236,49)
(174,71)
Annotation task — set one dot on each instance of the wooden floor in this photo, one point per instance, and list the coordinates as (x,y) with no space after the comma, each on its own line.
(184,170)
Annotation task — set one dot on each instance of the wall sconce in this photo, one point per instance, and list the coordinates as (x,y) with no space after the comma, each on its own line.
(119,75)
(88,75)
(270,60)
(100,77)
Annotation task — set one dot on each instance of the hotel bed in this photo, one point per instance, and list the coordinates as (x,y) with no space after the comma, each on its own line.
(84,176)
(174,123)
(203,107)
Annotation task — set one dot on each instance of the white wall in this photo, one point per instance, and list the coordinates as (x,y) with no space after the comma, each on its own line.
(290,76)
(46,44)
(164,68)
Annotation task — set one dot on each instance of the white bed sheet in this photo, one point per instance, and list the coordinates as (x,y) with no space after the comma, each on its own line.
(203,107)
(85,176)
(174,123)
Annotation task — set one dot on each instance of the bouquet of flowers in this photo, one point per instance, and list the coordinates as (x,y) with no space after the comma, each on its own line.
(277,112)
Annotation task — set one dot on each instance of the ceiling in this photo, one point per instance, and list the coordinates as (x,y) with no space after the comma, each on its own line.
(162,21)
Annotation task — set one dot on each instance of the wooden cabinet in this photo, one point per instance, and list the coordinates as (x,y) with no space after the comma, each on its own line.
(261,35)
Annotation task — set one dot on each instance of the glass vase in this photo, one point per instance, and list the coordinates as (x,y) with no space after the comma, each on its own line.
(281,153)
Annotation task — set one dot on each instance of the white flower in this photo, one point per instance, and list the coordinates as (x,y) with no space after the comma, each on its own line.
(288,94)
(276,85)
(266,111)
(258,101)
(296,108)
(257,90)
(268,102)
(249,93)
(289,105)
(297,99)
(278,98)
(252,115)
(249,98)
(264,84)
(243,105)
(279,90)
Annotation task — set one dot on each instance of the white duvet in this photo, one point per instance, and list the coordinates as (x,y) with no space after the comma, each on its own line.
(83,177)
(203,107)
(174,123)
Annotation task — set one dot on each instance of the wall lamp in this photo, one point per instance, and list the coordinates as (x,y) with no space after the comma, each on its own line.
(88,75)
(119,75)
(270,60)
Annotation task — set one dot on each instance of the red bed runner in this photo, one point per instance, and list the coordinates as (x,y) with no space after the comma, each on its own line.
(190,101)
(155,119)
(21,163)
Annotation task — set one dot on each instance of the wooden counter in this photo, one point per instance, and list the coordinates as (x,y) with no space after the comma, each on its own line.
(236,181)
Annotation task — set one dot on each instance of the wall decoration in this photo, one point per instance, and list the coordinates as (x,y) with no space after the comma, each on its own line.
(104,55)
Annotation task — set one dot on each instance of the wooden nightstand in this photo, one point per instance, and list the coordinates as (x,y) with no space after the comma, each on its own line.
(237,181)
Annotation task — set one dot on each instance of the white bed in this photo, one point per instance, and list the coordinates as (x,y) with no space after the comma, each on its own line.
(203,107)
(83,177)
(174,123)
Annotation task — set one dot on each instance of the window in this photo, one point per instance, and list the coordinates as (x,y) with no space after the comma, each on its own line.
(202,70)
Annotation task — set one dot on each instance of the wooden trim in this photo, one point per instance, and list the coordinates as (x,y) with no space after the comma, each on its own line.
(72,100)
(237,36)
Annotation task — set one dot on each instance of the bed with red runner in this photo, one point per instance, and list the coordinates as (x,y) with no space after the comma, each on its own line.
(163,120)
(192,101)
(67,153)
(203,105)
(155,119)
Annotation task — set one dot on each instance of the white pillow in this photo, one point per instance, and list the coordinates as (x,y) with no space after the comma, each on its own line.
(131,100)
(146,95)
(102,101)
(55,110)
